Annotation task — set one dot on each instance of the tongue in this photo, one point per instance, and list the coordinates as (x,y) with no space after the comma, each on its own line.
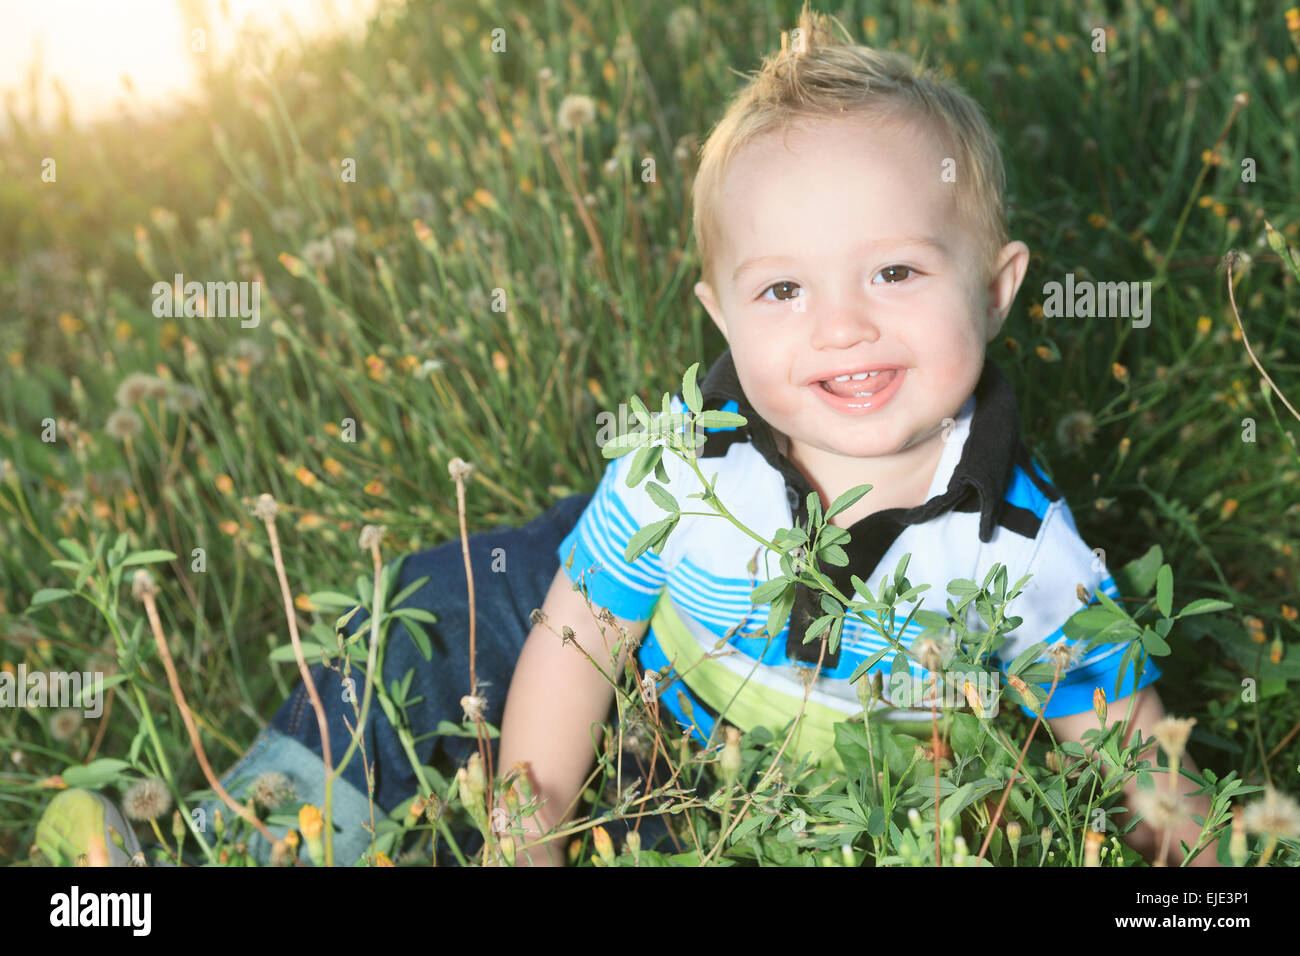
(851,388)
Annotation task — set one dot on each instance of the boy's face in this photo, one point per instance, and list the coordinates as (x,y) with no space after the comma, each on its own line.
(862,263)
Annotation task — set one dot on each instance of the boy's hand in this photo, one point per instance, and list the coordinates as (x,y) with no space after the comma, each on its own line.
(1148,710)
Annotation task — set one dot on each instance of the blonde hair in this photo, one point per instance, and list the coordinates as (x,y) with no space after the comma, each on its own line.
(823,76)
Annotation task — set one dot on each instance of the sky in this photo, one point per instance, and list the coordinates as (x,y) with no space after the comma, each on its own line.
(90,45)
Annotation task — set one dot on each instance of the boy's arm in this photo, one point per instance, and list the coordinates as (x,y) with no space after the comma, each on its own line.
(1148,710)
(555,696)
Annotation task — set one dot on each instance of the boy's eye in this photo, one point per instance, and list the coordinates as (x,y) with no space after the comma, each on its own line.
(895,273)
(778,285)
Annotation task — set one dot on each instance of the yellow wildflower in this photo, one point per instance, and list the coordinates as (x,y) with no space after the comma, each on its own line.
(375,487)
(333,467)
(604,845)
(305,476)
(1256,628)
(224,484)
(310,822)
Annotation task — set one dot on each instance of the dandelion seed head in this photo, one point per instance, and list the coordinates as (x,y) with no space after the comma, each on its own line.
(1064,654)
(473,706)
(459,469)
(138,386)
(1276,815)
(123,424)
(576,111)
(142,584)
(1172,733)
(932,652)
(1161,808)
(65,723)
(319,253)
(1076,430)
(265,509)
(183,398)
(371,535)
(146,799)
(271,788)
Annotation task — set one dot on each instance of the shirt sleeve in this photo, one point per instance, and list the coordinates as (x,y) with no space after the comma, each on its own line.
(599,540)
(1059,563)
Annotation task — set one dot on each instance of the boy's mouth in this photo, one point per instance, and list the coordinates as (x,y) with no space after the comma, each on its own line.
(860,384)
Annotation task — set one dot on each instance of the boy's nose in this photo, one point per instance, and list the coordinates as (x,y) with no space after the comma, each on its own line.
(843,326)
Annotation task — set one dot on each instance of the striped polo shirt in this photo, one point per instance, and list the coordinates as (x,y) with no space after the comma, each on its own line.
(988,502)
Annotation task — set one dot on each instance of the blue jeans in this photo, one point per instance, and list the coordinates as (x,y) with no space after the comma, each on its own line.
(504,601)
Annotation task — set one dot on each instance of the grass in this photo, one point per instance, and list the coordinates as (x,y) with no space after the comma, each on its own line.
(492,280)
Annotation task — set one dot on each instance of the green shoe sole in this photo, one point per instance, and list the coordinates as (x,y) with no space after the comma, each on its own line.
(73,819)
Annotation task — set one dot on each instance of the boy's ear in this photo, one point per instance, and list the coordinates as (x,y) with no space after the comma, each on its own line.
(704,292)
(1008,272)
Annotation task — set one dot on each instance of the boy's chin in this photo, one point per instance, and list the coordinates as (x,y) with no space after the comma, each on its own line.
(865,446)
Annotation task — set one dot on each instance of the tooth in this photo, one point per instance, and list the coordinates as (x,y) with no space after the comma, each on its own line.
(859,376)
(874,374)
(841,378)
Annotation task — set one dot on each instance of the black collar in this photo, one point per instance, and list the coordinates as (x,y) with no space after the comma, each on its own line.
(979,483)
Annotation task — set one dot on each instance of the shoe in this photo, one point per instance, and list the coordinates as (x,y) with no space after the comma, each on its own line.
(78,822)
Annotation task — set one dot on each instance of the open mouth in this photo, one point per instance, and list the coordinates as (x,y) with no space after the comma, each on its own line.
(861,392)
(860,385)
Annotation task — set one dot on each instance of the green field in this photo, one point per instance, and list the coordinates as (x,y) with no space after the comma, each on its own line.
(495,277)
